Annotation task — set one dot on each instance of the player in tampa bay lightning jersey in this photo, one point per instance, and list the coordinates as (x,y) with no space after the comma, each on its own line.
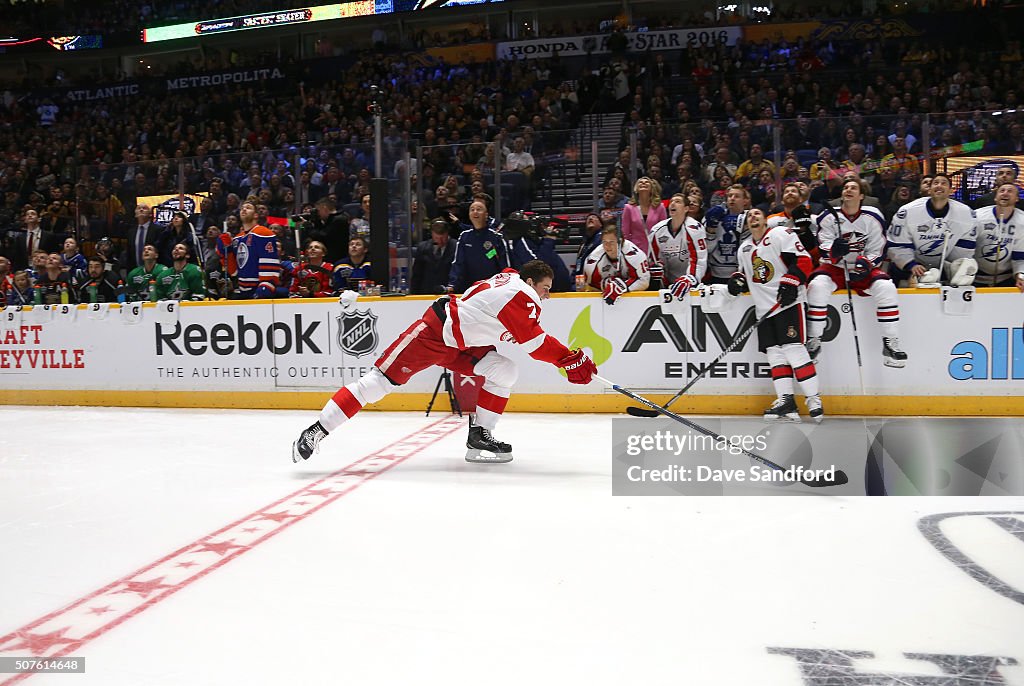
(723,238)
(929,235)
(1000,252)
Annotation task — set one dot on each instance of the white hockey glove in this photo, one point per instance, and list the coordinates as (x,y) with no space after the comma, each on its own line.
(963,271)
(348,299)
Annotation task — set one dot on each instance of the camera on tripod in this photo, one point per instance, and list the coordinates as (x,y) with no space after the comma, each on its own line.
(535,227)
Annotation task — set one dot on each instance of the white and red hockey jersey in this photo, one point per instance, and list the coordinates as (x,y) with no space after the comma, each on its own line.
(864,231)
(631,266)
(501,308)
(680,252)
(763,265)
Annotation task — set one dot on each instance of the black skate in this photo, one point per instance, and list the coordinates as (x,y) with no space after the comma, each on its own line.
(480,442)
(782,410)
(814,348)
(892,356)
(308,442)
(814,408)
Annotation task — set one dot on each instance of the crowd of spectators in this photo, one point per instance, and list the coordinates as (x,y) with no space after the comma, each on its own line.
(707,117)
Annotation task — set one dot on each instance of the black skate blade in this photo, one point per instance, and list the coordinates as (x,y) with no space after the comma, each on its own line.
(821,482)
(641,412)
(478,456)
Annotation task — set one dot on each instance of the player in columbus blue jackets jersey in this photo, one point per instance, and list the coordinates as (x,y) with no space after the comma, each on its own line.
(479,252)
(252,256)
(723,240)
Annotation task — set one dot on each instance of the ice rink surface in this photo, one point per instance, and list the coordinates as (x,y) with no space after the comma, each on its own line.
(183,547)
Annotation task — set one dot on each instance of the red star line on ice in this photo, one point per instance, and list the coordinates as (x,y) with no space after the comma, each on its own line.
(250,529)
(325,492)
(186,564)
(99,610)
(39,644)
(300,503)
(276,516)
(144,588)
(221,547)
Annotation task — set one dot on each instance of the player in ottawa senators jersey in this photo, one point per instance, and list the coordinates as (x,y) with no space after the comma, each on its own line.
(460,334)
(774,266)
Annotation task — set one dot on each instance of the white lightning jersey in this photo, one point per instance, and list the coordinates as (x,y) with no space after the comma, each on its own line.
(864,231)
(680,252)
(1000,252)
(917,234)
(631,266)
(762,263)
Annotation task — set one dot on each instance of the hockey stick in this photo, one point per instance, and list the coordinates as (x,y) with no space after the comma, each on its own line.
(820,482)
(641,412)
(853,321)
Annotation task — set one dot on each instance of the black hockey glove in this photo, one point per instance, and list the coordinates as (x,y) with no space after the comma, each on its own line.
(801,218)
(737,284)
(840,248)
(789,288)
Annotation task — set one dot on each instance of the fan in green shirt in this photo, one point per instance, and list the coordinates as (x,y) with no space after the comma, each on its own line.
(139,278)
(183,281)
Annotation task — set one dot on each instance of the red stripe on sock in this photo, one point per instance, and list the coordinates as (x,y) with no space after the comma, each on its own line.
(491,402)
(347,402)
(782,372)
(805,372)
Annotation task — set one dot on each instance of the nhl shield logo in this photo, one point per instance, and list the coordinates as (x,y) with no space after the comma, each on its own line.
(357,332)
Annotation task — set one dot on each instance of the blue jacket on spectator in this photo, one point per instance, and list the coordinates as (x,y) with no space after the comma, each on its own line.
(524,249)
(479,254)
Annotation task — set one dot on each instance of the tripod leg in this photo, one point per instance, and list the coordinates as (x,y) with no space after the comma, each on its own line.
(452,398)
(437,389)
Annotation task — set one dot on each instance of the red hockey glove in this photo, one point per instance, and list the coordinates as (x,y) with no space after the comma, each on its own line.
(578,367)
(683,285)
(861,268)
(613,288)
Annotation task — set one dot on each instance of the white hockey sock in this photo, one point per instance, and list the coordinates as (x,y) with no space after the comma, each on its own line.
(500,375)
(886,299)
(782,372)
(347,402)
(818,290)
(803,369)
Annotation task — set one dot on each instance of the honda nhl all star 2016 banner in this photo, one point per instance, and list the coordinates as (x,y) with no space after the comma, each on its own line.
(311,345)
(639,41)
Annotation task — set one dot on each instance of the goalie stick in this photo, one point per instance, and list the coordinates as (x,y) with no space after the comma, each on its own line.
(820,482)
(641,412)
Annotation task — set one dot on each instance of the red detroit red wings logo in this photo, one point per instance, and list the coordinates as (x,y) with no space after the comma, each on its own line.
(502,279)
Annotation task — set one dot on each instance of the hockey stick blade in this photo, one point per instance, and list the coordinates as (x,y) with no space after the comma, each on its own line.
(641,412)
(840,476)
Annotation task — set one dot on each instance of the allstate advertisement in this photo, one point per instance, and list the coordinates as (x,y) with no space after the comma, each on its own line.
(314,345)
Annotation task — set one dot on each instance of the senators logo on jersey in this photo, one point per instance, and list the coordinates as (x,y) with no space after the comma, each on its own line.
(763,270)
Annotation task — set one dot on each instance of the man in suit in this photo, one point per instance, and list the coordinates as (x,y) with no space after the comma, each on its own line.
(433,261)
(144,232)
(32,237)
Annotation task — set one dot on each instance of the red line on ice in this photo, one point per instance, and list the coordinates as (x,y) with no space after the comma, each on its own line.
(64,631)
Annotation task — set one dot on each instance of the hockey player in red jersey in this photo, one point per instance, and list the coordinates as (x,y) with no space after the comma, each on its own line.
(774,266)
(460,334)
